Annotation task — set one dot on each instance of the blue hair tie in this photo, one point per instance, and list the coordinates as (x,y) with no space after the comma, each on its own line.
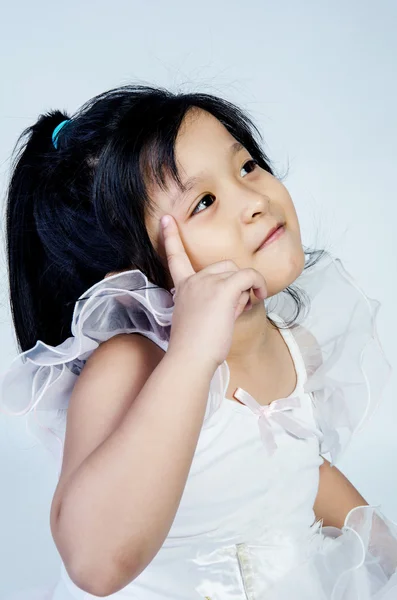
(56,131)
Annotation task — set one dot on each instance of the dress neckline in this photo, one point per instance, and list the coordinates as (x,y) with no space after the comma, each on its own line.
(299,365)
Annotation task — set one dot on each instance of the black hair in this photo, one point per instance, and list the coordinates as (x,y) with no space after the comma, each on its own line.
(77,212)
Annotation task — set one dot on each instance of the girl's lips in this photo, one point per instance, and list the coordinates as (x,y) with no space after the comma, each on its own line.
(278,233)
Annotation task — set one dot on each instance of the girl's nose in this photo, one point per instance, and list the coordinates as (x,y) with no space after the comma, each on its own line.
(254,203)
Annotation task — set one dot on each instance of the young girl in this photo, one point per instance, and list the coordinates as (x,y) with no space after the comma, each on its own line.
(190,455)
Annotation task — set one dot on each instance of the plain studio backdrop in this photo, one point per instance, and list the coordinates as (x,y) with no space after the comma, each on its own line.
(319,79)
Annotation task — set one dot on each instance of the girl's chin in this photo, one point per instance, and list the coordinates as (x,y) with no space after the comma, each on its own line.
(283,271)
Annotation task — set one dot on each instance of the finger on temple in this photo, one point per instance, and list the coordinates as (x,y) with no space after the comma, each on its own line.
(178,261)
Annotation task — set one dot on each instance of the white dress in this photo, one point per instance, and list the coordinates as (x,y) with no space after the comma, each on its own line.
(245,528)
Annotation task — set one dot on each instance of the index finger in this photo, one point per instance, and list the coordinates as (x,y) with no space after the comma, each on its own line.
(178,261)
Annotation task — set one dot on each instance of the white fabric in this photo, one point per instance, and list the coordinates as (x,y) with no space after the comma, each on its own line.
(245,527)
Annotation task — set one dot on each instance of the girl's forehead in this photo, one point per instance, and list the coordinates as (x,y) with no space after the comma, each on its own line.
(201,130)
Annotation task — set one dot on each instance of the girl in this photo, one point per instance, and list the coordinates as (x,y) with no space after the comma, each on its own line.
(190,455)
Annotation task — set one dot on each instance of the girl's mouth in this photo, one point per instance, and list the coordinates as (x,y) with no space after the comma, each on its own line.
(277,233)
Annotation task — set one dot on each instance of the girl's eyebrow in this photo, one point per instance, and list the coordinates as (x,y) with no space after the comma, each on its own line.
(193,181)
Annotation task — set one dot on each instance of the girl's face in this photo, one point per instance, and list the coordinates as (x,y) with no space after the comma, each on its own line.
(230,207)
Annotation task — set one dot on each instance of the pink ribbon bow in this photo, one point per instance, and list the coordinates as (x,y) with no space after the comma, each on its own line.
(275,411)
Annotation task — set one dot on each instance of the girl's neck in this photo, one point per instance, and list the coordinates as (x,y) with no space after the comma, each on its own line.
(254,339)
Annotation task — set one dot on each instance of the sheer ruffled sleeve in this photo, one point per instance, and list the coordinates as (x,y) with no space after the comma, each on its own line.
(346,368)
(39,382)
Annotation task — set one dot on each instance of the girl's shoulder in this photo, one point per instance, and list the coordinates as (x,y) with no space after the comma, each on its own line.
(125,346)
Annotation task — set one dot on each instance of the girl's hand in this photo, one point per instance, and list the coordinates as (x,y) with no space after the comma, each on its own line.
(207,303)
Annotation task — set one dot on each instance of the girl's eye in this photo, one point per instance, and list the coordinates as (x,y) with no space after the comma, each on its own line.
(210,196)
(252,166)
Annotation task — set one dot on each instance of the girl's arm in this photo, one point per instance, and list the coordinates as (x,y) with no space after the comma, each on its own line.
(336,496)
(134,420)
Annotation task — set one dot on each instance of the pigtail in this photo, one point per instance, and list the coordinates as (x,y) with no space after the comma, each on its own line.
(35,159)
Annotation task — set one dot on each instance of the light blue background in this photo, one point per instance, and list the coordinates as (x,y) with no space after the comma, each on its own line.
(319,78)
